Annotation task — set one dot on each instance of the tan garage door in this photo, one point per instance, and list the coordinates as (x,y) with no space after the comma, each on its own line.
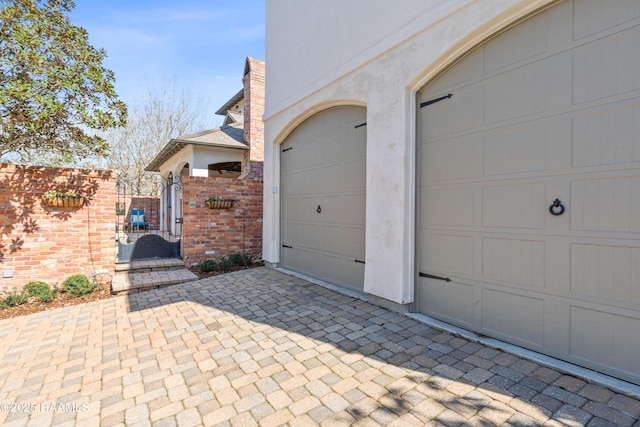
(323,197)
(550,109)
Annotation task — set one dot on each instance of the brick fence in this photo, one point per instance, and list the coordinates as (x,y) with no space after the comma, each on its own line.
(38,242)
(213,233)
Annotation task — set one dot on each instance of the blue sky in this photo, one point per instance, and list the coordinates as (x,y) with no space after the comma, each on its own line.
(201,43)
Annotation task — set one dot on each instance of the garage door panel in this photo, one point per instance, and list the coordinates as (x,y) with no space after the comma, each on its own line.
(606,338)
(519,317)
(334,147)
(356,177)
(291,234)
(606,204)
(514,261)
(340,240)
(607,136)
(518,94)
(450,206)
(357,145)
(610,272)
(607,68)
(594,16)
(448,254)
(448,160)
(456,115)
(333,178)
(519,205)
(298,182)
(344,271)
(355,209)
(515,150)
(452,302)
(467,70)
(310,152)
(524,42)
(299,208)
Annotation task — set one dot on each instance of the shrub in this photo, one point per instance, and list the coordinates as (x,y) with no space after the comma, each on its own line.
(40,290)
(225,264)
(207,265)
(12,299)
(78,285)
(241,260)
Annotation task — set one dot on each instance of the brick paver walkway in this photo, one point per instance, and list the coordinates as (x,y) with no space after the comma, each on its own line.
(258,347)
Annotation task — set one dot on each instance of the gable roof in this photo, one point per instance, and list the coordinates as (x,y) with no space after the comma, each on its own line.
(222,111)
(226,136)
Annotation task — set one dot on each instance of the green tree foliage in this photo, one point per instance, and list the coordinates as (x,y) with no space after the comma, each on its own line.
(54,92)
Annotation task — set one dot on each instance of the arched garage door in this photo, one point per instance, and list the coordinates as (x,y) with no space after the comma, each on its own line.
(550,109)
(323,197)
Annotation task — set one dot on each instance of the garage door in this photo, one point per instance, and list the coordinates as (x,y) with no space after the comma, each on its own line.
(323,197)
(529,196)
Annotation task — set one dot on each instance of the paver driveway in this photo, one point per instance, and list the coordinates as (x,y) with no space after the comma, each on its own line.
(259,347)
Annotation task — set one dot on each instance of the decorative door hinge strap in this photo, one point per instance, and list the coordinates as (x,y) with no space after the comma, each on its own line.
(359,261)
(360,125)
(287,246)
(287,149)
(431,276)
(433,101)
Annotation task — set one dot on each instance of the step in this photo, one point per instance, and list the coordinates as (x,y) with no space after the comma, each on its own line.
(150,265)
(128,282)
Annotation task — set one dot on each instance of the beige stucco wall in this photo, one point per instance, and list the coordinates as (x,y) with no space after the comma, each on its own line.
(375,53)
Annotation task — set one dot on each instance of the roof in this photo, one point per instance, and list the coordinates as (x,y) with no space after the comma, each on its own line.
(222,111)
(227,136)
(233,118)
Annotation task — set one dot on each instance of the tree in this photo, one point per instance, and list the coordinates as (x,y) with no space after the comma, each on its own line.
(54,92)
(163,112)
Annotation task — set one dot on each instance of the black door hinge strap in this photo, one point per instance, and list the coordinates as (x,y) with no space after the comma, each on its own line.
(433,101)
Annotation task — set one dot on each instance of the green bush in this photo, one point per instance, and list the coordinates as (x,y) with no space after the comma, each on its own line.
(40,290)
(225,264)
(12,299)
(78,285)
(208,265)
(241,260)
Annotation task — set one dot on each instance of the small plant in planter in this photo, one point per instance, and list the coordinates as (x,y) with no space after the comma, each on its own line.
(216,202)
(63,199)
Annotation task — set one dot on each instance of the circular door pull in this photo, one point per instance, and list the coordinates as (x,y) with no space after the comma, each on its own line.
(556,208)
(319,209)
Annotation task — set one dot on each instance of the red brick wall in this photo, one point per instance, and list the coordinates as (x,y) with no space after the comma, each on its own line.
(151,206)
(221,231)
(38,242)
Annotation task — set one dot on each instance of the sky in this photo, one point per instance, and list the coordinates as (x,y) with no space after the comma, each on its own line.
(197,43)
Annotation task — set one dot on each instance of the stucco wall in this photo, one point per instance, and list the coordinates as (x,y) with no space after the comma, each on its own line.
(377,54)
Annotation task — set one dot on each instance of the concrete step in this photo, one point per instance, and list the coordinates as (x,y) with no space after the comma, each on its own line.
(135,281)
(149,265)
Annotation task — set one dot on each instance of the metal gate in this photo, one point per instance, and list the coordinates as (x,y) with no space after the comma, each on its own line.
(149,223)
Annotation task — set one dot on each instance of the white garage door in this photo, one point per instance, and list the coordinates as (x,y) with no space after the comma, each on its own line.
(550,109)
(323,197)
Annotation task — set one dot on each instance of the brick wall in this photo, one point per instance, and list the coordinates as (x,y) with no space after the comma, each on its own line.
(38,242)
(214,233)
(151,206)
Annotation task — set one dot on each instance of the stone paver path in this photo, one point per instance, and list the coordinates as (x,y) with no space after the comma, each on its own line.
(258,347)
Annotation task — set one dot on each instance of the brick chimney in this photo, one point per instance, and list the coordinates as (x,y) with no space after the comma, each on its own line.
(254,87)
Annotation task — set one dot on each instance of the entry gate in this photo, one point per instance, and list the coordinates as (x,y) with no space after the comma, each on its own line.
(144,226)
